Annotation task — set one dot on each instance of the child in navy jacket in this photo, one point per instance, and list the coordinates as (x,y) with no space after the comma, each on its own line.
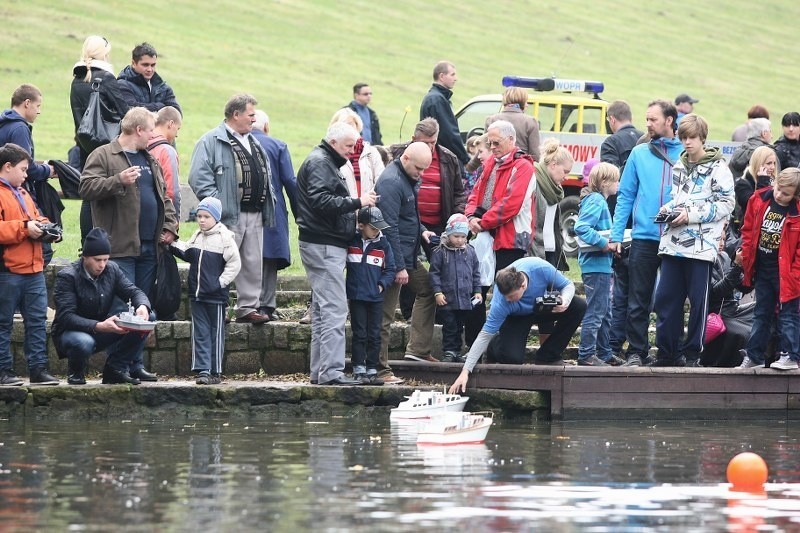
(456,281)
(214,262)
(370,271)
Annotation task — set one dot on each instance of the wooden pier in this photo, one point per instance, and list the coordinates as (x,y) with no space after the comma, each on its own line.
(634,393)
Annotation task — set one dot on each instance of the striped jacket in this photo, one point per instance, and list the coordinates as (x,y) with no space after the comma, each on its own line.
(370,263)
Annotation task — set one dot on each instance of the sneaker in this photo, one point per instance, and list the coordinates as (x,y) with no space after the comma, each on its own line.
(748,363)
(8,377)
(679,361)
(694,363)
(203,379)
(452,357)
(591,361)
(361,377)
(423,358)
(215,379)
(633,360)
(614,360)
(785,363)
(374,379)
(40,376)
(391,379)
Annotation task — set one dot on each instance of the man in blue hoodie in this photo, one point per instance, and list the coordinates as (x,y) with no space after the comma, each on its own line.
(644,187)
(16,126)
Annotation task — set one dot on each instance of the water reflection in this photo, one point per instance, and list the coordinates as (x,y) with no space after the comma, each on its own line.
(369,475)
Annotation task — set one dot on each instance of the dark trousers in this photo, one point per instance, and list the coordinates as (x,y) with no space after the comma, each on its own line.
(619,304)
(644,262)
(365,323)
(508,346)
(77,346)
(767,289)
(208,336)
(681,278)
(474,322)
(452,328)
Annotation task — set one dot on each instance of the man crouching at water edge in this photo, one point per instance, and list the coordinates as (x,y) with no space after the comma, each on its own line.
(84,294)
(524,294)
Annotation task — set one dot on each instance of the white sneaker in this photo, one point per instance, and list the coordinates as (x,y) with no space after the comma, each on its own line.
(785,363)
(748,363)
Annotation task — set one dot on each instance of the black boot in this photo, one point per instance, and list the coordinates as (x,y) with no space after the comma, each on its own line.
(76,372)
(111,376)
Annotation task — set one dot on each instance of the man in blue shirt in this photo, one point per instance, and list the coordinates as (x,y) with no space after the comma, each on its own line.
(362,96)
(514,310)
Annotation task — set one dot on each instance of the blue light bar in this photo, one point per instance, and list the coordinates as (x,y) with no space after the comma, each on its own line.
(549,84)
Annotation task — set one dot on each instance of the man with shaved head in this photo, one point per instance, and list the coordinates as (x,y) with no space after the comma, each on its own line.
(397,189)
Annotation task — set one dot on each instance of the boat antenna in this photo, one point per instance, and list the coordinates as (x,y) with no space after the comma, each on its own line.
(564,55)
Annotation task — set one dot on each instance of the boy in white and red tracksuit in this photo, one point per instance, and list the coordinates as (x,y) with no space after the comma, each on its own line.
(370,271)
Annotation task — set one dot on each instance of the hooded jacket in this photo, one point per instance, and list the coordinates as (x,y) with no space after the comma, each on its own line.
(705,189)
(21,254)
(788,250)
(214,262)
(644,187)
(594,217)
(137,93)
(15,129)
(510,218)
(455,272)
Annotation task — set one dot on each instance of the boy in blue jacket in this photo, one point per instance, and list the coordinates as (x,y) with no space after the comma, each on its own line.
(370,271)
(214,263)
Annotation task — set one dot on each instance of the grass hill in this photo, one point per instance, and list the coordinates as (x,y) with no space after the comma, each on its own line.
(300,58)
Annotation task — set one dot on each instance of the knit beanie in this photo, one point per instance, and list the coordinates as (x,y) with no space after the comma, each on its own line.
(457,223)
(96,243)
(212,206)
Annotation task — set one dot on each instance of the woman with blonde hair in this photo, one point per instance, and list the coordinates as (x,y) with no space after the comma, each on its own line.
(551,172)
(761,172)
(365,164)
(94,68)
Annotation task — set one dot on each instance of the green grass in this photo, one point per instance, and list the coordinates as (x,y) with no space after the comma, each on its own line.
(300,58)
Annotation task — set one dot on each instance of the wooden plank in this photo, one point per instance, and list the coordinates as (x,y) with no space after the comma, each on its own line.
(651,383)
(657,401)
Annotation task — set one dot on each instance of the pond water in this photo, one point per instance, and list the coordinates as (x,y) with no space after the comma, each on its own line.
(366,474)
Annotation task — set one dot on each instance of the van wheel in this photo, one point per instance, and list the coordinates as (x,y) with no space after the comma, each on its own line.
(569,216)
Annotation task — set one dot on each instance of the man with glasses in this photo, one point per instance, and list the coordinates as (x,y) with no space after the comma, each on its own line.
(362,96)
(502,204)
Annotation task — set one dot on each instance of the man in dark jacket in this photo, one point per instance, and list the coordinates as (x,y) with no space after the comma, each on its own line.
(436,104)
(362,95)
(140,83)
(84,297)
(397,189)
(326,220)
(788,146)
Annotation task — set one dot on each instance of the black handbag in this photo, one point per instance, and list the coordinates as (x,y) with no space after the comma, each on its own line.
(166,296)
(94,130)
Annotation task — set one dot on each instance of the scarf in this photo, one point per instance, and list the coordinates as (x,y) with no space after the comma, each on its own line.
(552,193)
(354,157)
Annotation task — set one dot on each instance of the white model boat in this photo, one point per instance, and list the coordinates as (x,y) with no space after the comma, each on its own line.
(425,404)
(129,321)
(456,428)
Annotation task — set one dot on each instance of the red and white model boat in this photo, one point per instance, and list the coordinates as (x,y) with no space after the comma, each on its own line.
(425,404)
(456,428)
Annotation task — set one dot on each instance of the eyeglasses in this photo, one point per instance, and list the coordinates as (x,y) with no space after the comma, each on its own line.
(492,144)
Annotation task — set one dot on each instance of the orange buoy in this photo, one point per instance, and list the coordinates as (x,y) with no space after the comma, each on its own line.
(747,472)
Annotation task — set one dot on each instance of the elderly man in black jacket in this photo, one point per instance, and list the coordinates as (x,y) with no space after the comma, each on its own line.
(84,295)
(326,220)
(397,189)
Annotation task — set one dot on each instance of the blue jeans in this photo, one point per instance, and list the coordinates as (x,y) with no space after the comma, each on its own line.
(596,325)
(644,263)
(28,293)
(141,271)
(767,291)
(365,323)
(619,305)
(79,345)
